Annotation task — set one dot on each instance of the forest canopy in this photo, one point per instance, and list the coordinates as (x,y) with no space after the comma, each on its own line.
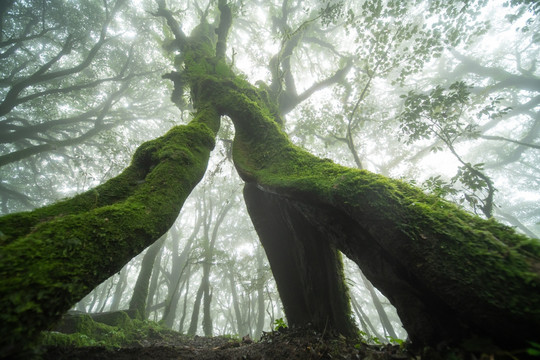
(438,96)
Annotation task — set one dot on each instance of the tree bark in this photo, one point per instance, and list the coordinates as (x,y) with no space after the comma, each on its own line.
(53,256)
(140,291)
(449,274)
(307,269)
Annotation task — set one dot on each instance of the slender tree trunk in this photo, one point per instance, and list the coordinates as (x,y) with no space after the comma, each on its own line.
(140,292)
(364,319)
(363,324)
(153,287)
(260,296)
(109,288)
(208,327)
(378,306)
(271,306)
(204,289)
(120,287)
(230,320)
(196,310)
(180,263)
(94,300)
(241,329)
(184,306)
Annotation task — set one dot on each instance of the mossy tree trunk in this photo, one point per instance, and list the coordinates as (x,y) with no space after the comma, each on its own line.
(450,274)
(53,256)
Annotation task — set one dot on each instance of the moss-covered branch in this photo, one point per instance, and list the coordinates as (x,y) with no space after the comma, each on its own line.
(459,273)
(53,256)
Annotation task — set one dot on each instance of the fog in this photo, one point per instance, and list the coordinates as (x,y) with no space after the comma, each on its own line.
(443,96)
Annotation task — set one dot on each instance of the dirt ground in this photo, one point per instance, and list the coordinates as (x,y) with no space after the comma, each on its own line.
(301,344)
(285,344)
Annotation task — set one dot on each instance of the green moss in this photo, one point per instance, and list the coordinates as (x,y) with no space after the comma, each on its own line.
(449,247)
(53,256)
(92,333)
(57,254)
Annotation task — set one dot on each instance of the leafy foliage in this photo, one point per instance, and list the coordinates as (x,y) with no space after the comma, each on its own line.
(280,324)
(534,350)
(437,114)
(440,115)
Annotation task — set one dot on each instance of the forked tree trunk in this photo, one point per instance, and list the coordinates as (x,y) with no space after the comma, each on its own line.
(449,274)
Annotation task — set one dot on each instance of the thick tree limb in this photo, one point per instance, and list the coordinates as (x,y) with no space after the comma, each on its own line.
(53,256)
(423,253)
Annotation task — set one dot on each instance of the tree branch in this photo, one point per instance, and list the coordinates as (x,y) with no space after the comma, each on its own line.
(505,79)
(225,22)
(180,37)
(500,138)
(54,145)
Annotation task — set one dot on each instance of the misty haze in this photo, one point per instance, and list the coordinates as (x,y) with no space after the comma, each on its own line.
(216,179)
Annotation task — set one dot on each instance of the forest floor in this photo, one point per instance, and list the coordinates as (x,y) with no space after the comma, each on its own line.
(78,336)
(289,344)
(298,345)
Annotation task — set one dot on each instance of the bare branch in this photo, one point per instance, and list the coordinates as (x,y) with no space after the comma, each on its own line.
(500,138)
(98,127)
